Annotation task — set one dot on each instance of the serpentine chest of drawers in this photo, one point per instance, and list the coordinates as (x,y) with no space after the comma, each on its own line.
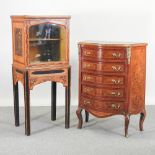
(112,80)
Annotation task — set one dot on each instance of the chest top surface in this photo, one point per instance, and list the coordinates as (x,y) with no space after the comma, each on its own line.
(112,43)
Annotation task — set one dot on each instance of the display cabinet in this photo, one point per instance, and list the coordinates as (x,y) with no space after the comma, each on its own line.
(40,54)
(112,80)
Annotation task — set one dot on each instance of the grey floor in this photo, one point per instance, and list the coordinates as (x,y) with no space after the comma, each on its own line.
(98,137)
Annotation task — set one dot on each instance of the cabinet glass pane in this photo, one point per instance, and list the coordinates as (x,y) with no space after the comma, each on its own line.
(47,42)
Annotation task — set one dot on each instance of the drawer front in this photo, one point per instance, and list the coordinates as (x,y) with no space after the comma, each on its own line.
(114,54)
(90,53)
(103,80)
(103,92)
(104,67)
(97,55)
(98,105)
(37,76)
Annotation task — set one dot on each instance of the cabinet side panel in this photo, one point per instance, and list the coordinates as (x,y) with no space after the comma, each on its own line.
(18,41)
(137,69)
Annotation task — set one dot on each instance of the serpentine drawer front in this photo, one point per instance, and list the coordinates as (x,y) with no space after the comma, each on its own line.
(102,80)
(112,80)
(104,67)
(103,92)
(102,106)
(97,54)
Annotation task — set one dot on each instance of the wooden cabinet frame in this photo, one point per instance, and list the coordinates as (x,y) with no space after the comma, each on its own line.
(32,74)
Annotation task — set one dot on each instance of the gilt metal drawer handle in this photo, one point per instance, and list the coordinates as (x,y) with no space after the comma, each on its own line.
(114,106)
(87,78)
(115,93)
(116,81)
(88,53)
(88,65)
(115,68)
(87,89)
(87,102)
(116,55)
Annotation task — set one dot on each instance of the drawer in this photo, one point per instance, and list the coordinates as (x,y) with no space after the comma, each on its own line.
(103,80)
(103,92)
(114,54)
(90,53)
(104,67)
(100,106)
(37,76)
(98,55)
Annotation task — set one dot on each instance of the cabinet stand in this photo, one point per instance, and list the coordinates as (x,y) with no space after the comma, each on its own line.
(25,80)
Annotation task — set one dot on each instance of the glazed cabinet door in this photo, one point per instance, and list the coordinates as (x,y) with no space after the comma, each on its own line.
(47,43)
(18,42)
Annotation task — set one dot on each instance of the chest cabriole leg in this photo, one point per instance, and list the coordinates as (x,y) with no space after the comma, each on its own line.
(86,116)
(79,115)
(127,120)
(142,118)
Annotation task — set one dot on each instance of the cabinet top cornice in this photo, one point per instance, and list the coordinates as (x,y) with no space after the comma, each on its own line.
(40,17)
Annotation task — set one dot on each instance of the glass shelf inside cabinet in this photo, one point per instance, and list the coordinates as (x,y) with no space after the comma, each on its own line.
(47,42)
